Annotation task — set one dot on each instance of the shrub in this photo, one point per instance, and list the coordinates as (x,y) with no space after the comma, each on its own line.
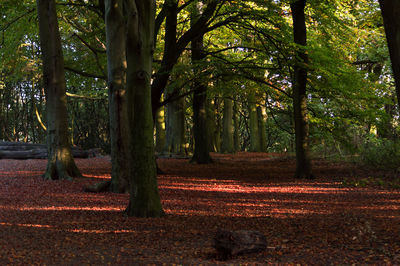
(380,153)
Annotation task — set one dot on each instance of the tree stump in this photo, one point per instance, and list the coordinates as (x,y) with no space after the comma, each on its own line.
(232,243)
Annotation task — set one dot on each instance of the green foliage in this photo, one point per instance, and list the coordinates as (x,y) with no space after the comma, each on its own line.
(380,153)
(371,182)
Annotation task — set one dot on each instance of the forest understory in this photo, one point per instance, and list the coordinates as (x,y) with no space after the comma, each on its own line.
(341,217)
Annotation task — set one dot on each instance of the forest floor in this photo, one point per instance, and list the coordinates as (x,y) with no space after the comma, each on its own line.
(338,218)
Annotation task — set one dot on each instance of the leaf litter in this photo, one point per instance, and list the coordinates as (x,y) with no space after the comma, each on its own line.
(317,221)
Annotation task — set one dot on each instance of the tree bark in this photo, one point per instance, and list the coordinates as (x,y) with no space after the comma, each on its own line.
(201,153)
(390,12)
(116,62)
(261,128)
(254,134)
(144,196)
(175,128)
(236,137)
(213,127)
(61,164)
(303,160)
(160,130)
(227,130)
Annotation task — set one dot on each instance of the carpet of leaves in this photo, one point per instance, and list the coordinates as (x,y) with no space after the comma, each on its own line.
(307,222)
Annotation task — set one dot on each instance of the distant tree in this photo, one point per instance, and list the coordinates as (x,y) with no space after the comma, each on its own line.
(227,130)
(253,123)
(61,164)
(200,124)
(303,160)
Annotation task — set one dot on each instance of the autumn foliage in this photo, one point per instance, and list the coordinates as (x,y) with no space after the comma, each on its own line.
(309,222)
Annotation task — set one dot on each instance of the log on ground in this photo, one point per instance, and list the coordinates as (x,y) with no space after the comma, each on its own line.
(232,243)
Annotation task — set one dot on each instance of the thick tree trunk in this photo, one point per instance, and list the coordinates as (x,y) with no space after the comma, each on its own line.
(61,164)
(116,61)
(390,13)
(200,124)
(144,196)
(253,124)
(227,130)
(303,160)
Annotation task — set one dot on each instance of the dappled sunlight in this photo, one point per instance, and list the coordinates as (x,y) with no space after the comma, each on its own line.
(62,208)
(20,173)
(102,176)
(249,188)
(77,230)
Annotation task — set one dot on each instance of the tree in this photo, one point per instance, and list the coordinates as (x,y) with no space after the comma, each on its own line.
(175,126)
(390,12)
(303,160)
(61,164)
(144,196)
(200,123)
(253,123)
(116,61)
(227,130)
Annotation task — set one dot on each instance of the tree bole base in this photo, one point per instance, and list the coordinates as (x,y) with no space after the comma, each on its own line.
(58,170)
(304,176)
(143,211)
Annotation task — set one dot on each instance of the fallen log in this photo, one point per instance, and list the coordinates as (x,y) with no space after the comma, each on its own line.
(36,154)
(232,243)
(23,151)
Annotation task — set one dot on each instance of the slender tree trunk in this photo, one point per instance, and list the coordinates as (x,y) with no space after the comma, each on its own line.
(200,123)
(303,160)
(254,133)
(160,130)
(170,55)
(116,62)
(391,13)
(227,129)
(175,128)
(212,127)
(144,196)
(236,137)
(261,128)
(61,164)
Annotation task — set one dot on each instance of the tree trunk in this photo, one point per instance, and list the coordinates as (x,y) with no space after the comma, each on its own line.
(261,128)
(390,12)
(170,55)
(200,124)
(175,128)
(236,137)
(254,134)
(144,196)
(116,62)
(213,129)
(303,160)
(227,130)
(160,130)
(61,164)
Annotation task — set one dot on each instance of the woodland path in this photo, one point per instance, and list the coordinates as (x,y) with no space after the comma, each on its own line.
(318,222)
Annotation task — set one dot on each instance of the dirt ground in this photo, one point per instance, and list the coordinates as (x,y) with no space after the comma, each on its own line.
(309,222)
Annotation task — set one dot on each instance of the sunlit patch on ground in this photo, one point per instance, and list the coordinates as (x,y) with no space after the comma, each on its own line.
(305,222)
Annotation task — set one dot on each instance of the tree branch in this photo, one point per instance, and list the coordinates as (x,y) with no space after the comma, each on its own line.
(85,74)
